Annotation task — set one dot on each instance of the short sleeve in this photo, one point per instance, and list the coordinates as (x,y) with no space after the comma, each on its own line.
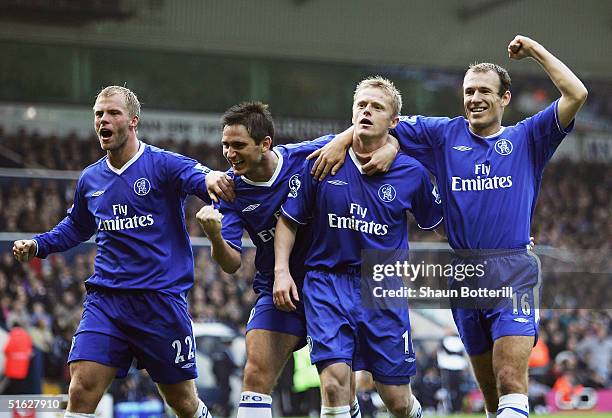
(232,226)
(302,192)
(426,203)
(546,133)
(419,136)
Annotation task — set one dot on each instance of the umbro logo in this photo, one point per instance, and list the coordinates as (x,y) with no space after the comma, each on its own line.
(98,193)
(522,320)
(337,182)
(462,148)
(188,365)
(251,208)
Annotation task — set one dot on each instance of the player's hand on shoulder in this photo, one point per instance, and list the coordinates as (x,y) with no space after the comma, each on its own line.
(328,159)
(382,158)
(209,219)
(24,249)
(521,47)
(284,292)
(220,185)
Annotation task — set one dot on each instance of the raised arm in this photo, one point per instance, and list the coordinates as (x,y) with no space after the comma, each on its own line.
(573,92)
(227,257)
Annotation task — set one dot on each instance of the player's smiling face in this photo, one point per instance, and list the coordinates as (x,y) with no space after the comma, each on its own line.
(483,105)
(373,113)
(112,122)
(241,151)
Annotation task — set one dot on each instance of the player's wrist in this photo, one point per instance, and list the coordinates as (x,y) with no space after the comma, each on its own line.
(215,236)
(537,52)
(281,269)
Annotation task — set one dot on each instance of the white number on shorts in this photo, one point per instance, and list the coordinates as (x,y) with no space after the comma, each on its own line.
(176,344)
(189,342)
(406,337)
(525,306)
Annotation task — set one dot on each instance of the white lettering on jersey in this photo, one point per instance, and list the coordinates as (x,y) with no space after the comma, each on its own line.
(357,209)
(120,210)
(118,224)
(483,169)
(268,234)
(482,180)
(459,184)
(345,222)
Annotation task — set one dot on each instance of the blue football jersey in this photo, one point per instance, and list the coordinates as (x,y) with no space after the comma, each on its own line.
(351,211)
(489,185)
(138,213)
(257,207)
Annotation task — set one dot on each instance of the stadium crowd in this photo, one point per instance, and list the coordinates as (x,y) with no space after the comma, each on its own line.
(44,296)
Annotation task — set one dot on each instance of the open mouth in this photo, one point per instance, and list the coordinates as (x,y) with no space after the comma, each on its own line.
(105,133)
(477,109)
(237,164)
(366,121)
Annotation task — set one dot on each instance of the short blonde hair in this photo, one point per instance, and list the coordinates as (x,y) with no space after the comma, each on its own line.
(385,85)
(131,101)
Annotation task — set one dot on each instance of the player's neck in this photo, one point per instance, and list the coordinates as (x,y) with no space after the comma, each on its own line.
(118,157)
(265,169)
(364,147)
(486,131)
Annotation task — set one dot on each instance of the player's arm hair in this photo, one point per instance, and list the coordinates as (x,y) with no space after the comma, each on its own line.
(573,92)
(284,240)
(227,257)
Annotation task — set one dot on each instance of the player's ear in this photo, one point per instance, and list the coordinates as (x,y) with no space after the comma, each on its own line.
(266,143)
(134,122)
(506,98)
(394,122)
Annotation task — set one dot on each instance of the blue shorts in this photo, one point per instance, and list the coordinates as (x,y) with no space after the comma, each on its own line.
(150,326)
(342,329)
(265,315)
(482,320)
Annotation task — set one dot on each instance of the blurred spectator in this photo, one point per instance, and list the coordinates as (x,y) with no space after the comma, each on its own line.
(596,350)
(223,368)
(18,358)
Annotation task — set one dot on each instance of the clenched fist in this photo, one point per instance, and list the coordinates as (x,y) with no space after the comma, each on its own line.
(24,249)
(209,219)
(521,47)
